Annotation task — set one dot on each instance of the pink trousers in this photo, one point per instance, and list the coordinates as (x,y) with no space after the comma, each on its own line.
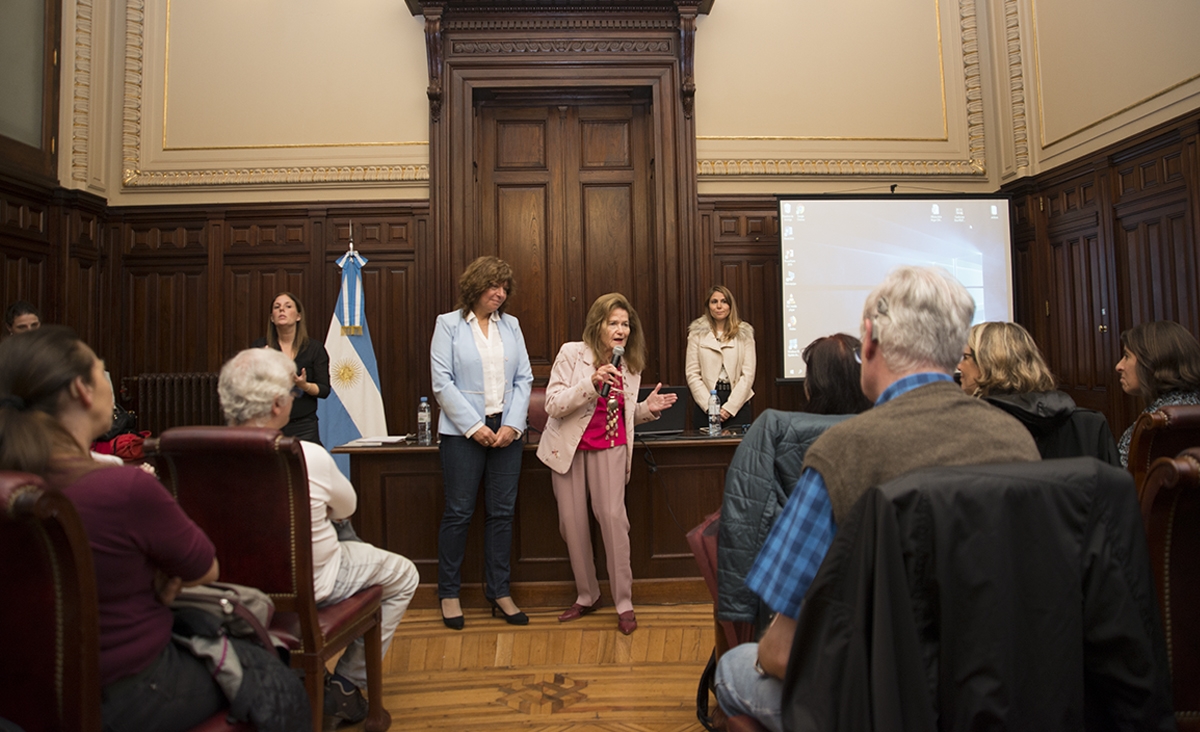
(602,473)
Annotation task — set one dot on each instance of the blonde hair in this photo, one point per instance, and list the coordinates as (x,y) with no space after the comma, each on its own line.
(1009,361)
(635,344)
(733,323)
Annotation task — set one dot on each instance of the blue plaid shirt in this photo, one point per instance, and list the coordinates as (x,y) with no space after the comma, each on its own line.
(801,537)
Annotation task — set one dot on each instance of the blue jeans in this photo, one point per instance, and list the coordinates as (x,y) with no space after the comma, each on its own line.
(741,689)
(464,464)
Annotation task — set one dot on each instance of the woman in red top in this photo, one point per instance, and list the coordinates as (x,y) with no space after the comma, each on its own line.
(55,399)
(588,445)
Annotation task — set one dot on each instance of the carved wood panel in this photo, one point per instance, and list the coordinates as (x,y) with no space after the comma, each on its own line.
(165,316)
(392,290)
(250,288)
(564,193)
(1155,248)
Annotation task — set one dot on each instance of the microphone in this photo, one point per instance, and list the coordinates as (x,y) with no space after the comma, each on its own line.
(618,351)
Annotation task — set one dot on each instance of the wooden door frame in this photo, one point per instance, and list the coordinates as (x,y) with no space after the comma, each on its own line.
(476,54)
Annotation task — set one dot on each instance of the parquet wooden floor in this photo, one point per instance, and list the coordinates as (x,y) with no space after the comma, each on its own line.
(582,676)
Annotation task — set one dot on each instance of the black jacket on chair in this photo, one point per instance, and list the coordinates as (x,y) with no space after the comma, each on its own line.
(1013,596)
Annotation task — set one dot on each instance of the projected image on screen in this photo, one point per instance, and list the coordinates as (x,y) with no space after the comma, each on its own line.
(834,251)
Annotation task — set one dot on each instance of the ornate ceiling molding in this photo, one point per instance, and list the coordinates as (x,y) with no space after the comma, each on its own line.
(1016,85)
(558,45)
(974,165)
(81,95)
(132,175)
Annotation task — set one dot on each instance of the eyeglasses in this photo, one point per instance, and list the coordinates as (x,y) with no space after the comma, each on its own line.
(858,355)
(297,392)
(967,356)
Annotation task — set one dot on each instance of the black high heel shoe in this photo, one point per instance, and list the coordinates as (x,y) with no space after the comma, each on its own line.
(455,623)
(517,618)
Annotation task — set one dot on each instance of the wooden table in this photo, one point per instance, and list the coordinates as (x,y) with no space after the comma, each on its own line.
(674,484)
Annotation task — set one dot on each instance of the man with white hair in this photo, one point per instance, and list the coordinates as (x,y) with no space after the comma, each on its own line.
(913,329)
(256,388)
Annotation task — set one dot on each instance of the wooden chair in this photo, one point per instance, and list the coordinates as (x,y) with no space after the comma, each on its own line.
(248,489)
(51,677)
(1170,504)
(51,680)
(1164,433)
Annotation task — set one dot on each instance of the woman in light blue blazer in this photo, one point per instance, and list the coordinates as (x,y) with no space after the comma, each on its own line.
(482,380)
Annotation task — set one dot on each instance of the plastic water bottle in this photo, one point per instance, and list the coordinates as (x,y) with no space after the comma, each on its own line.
(424,422)
(714,414)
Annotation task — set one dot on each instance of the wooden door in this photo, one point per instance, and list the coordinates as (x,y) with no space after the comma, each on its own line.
(564,197)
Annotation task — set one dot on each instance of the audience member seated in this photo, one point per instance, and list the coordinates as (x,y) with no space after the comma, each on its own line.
(1002,365)
(767,464)
(256,389)
(54,400)
(1160,363)
(986,597)
(912,329)
(22,317)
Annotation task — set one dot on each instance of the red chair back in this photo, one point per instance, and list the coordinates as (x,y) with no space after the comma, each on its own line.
(1164,433)
(51,677)
(1171,512)
(258,521)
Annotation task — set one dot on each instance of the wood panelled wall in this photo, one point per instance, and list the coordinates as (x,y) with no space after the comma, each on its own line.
(1100,245)
(1106,243)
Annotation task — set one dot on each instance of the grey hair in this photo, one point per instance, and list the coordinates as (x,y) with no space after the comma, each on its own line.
(921,318)
(251,382)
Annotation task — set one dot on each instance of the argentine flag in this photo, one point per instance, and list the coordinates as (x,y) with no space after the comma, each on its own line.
(354,408)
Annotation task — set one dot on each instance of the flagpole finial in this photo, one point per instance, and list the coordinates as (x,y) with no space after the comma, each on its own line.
(351,234)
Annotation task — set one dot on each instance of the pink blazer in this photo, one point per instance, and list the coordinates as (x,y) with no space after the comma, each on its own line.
(571,401)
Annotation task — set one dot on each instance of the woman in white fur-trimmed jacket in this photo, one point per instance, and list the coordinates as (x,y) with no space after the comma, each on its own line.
(721,356)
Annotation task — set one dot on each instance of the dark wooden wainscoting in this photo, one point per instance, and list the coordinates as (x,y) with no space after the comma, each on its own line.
(1106,243)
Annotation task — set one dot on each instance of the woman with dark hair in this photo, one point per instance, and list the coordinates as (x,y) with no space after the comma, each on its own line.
(1160,363)
(833,376)
(1002,365)
(588,446)
(287,332)
(482,381)
(54,401)
(721,356)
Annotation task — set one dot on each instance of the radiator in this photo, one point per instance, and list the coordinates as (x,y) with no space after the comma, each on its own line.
(162,401)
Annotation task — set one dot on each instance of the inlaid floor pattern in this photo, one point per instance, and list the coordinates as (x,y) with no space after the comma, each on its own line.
(582,676)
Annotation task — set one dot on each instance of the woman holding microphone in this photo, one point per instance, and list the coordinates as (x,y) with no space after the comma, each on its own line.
(482,380)
(591,401)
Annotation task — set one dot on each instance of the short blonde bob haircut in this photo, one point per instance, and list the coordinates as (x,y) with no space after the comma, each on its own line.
(1009,361)
(481,275)
(593,329)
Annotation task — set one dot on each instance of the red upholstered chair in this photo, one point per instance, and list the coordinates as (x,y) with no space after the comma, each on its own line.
(703,542)
(51,677)
(1171,510)
(1164,433)
(537,409)
(248,489)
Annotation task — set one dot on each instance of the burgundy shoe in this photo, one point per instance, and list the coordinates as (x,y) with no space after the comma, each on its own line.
(626,622)
(577,611)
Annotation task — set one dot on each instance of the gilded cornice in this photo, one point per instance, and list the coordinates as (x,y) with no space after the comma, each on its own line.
(559,45)
(288,175)
(974,165)
(81,91)
(1016,84)
(132,131)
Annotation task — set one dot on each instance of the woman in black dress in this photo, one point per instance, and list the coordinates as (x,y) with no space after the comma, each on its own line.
(287,333)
